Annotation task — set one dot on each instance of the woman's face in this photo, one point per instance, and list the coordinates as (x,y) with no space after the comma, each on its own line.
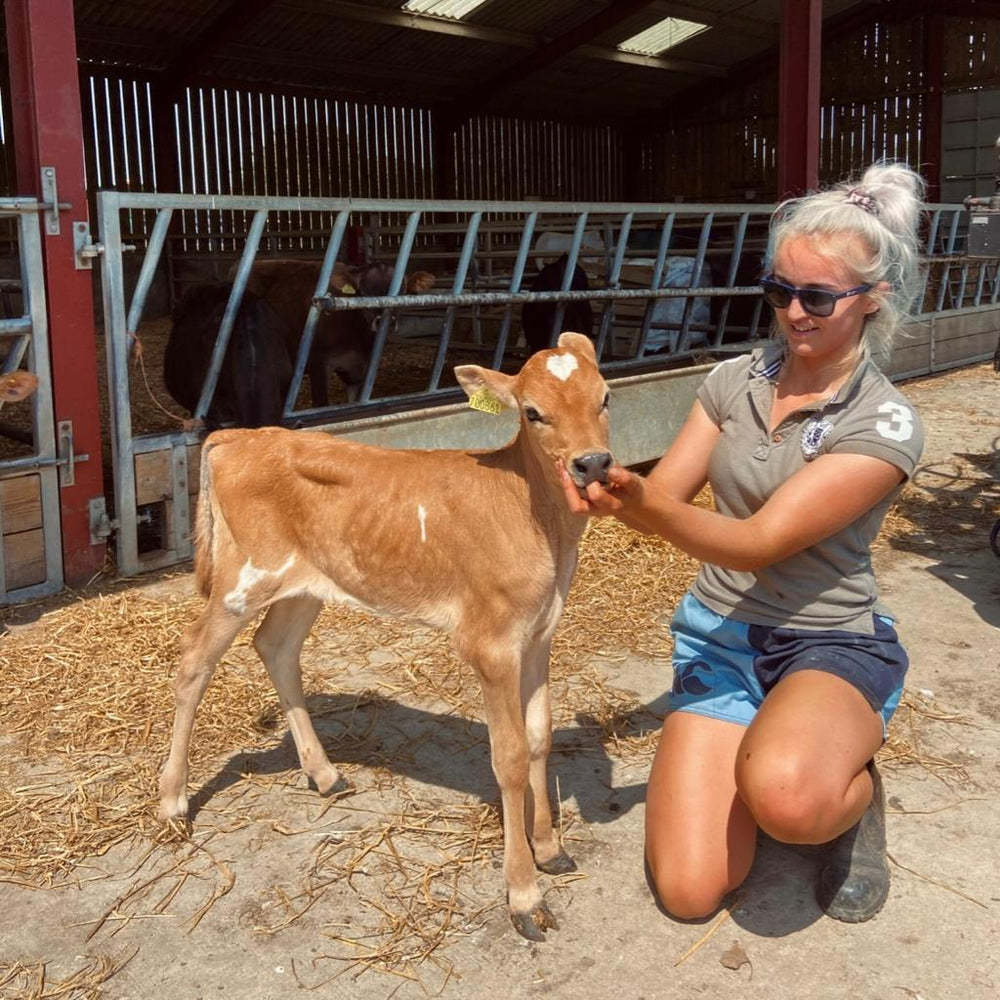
(803,262)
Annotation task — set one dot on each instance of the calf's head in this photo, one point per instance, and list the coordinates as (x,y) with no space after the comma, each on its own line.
(563,403)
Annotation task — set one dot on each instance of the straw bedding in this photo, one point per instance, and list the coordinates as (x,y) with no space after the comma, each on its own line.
(85,723)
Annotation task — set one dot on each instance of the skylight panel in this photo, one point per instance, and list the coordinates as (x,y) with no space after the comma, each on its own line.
(454,10)
(661,36)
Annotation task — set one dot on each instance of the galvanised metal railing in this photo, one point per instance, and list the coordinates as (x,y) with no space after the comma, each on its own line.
(724,243)
(26,342)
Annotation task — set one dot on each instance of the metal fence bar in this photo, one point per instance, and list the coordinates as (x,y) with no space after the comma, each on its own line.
(468,246)
(517,276)
(229,317)
(402,260)
(666,234)
(614,278)
(309,330)
(33,345)
(149,264)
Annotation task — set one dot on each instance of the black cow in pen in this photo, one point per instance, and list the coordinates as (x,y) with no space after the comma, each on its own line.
(537,317)
(256,370)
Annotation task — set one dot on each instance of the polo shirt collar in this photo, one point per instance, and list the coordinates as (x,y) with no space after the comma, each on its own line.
(766,365)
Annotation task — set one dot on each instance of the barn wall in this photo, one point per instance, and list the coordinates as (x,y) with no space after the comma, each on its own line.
(873,105)
(231,140)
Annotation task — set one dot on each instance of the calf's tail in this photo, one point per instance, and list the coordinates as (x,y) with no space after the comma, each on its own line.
(204,525)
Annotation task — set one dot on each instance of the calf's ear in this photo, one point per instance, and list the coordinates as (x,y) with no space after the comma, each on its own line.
(480,383)
(17,386)
(579,343)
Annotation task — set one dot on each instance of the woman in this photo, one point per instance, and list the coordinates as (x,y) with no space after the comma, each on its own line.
(786,668)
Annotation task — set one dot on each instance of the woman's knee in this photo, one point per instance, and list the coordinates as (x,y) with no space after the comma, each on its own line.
(788,804)
(684,892)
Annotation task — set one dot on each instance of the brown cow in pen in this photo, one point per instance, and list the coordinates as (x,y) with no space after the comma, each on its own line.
(342,341)
(290,519)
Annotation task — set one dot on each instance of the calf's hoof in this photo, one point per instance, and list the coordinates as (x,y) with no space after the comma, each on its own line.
(532,925)
(561,864)
(338,789)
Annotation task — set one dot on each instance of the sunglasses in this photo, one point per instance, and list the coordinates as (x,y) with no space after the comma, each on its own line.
(815,301)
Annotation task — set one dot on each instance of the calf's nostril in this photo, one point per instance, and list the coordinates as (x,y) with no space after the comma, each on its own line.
(593,467)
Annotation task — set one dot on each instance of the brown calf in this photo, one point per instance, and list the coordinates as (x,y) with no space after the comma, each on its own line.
(477,543)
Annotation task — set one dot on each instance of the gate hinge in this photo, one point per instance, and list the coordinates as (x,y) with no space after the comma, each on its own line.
(101,526)
(67,457)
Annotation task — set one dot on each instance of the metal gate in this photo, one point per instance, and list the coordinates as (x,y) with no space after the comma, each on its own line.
(669,284)
(31,554)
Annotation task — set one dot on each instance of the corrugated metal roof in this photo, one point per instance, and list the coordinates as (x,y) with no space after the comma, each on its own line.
(377,49)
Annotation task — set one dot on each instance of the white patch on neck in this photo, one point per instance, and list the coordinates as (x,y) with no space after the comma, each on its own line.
(422,517)
(250,576)
(562,366)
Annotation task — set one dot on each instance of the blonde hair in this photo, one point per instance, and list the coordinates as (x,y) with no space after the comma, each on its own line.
(880,212)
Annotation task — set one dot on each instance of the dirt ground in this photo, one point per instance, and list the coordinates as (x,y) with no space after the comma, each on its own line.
(396,891)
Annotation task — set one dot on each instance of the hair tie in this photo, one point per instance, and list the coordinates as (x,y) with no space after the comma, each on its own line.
(858,197)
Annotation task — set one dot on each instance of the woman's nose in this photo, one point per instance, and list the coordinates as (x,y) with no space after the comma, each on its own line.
(795,310)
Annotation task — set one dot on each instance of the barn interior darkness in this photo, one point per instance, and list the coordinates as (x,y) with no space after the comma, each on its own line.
(514,100)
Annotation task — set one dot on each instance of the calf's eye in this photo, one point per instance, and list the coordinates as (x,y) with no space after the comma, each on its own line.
(532,414)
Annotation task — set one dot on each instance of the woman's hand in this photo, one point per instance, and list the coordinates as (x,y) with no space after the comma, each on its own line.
(622,492)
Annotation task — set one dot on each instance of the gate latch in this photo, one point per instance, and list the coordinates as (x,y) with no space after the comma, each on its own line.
(67,458)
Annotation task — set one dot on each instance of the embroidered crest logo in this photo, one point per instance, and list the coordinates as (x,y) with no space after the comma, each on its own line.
(812,436)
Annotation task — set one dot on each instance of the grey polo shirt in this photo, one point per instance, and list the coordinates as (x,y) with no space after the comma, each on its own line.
(831,584)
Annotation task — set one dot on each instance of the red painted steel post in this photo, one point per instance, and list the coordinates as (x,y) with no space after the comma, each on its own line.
(799,96)
(48,133)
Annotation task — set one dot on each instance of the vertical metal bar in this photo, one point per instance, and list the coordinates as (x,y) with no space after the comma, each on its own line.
(666,234)
(402,259)
(734,261)
(309,330)
(517,276)
(149,264)
(684,339)
(571,258)
(228,318)
(468,247)
(117,351)
(180,537)
(43,422)
(614,274)
(932,231)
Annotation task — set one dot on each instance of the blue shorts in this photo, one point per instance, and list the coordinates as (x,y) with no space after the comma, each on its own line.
(725,668)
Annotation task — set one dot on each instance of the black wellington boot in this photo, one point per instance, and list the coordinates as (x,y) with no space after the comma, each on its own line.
(854,881)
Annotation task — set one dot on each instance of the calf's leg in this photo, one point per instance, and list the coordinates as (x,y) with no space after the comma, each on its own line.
(499,677)
(549,855)
(201,649)
(279,641)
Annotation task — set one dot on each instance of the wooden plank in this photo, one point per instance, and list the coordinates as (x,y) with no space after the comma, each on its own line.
(153,477)
(24,559)
(20,504)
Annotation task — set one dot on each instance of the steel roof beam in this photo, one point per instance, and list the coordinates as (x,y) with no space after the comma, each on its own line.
(397,18)
(545,55)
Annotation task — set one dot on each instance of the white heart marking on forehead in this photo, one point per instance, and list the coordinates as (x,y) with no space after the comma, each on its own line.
(562,366)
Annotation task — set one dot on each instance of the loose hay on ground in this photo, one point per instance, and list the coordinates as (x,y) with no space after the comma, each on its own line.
(90,704)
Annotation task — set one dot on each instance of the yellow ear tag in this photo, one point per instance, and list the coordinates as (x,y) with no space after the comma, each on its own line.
(483,399)
(348,290)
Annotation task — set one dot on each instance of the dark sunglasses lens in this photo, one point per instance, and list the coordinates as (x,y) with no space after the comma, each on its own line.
(777,295)
(817,302)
